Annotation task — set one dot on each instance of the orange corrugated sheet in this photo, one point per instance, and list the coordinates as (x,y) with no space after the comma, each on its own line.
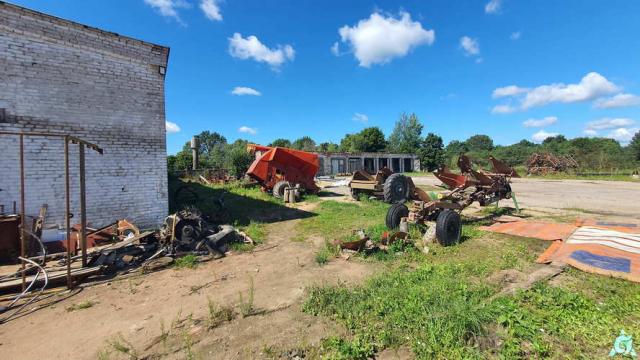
(533,229)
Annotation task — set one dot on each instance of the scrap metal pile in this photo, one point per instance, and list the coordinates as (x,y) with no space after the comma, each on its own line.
(484,187)
(128,250)
(548,163)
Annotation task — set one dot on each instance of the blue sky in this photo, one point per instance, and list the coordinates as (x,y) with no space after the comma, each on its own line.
(511,69)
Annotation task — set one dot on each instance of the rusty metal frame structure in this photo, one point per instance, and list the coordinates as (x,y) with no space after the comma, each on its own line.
(83,217)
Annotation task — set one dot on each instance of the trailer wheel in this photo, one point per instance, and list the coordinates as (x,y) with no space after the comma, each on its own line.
(448,227)
(355,194)
(395,213)
(396,189)
(278,189)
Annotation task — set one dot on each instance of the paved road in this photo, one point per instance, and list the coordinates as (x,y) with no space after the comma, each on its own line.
(614,198)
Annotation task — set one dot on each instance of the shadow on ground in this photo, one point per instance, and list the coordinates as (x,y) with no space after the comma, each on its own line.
(231,204)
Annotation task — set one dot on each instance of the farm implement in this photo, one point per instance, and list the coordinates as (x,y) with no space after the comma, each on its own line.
(484,187)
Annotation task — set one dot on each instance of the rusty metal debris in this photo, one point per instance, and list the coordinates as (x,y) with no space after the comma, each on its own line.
(484,187)
(372,185)
(548,163)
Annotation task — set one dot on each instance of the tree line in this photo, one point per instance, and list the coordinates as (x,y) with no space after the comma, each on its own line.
(592,154)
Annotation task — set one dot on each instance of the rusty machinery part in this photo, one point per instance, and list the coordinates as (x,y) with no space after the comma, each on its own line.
(275,164)
(278,188)
(355,193)
(395,214)
(448,227)
(398,188)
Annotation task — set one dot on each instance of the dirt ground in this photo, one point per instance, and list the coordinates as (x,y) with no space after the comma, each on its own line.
(280,270)
(135,308)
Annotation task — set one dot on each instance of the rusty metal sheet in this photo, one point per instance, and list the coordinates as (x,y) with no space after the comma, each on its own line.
(533,229)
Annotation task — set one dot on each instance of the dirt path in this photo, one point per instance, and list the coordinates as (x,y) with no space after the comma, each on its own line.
(136,307)
(611,199)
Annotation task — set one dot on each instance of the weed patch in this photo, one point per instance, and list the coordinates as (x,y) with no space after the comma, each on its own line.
(80,306)
(186,262)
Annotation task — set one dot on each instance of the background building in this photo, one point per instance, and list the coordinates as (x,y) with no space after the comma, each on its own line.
(64,77)
(342,163)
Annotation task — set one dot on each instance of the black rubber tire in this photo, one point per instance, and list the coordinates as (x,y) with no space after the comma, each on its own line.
(395,213)
(396,189)
(355,194)
(448,227)
(278,188)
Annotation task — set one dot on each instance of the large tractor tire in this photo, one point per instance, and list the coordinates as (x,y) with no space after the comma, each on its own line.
(395,213)
(448,227)
(278,189)
(396,189)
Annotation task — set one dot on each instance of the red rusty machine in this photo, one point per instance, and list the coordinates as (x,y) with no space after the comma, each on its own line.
(276,168)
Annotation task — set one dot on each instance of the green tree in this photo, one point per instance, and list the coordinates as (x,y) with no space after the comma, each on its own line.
(348,143)
(328,147)
(634,145)
(370,139)
(238,159)
(479,143)
(407,135)
(281,143)
(558,145)
(431,153)
(211,149)
(305,143)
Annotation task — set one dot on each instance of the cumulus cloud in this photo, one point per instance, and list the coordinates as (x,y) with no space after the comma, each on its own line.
(470,46)
(335,49)
(592,86)
(541,135)
(248,130)
(590,132)
(379,39)
(252,48)
(623,135)
(507,91)
(546,121)
(619,100)
(609,123)
(171,127)
(503,109)
(211,9)
(360,118)
(168,8)
(515,35)
(493,7)
(242,90)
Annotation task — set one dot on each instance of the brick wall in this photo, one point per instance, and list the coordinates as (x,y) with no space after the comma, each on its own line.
(63,77)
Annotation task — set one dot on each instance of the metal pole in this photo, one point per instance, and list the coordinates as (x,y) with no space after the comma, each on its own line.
(194,152)
(83,207)
(67,186)
(22,211)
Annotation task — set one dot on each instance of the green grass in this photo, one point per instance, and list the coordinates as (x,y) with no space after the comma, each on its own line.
(335,220)
(80,306)
(186,262)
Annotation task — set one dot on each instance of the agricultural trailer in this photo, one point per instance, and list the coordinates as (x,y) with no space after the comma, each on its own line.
(443,209)
(278,168)
(391,188)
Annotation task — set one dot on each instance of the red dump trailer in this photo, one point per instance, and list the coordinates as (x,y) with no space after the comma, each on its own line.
(276,168)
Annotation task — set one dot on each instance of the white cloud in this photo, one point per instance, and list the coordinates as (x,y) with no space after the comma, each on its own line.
(493,7)
(590,87)
(171,127)
(470,46)
(609,123)
(335,49)
(360,118)
(546,121)
(590,132)
(515,35)
(241,91)
(503,109)
(168,8)
(252,48)
(380,39)
(619,100)
(541,135)
(248,130)
(506,91)
(623,135)
(211,9)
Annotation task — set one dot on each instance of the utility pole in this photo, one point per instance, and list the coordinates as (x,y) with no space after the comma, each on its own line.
(194,151)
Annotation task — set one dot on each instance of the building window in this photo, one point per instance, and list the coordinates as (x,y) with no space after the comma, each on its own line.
(408,164)
(355,164)
(395,165)
(369,165)
(383,162)
(338,166)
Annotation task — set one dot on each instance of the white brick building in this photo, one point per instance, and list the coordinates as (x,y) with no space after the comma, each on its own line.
(64,77)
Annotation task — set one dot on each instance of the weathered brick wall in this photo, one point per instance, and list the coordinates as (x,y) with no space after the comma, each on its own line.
(64,77)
